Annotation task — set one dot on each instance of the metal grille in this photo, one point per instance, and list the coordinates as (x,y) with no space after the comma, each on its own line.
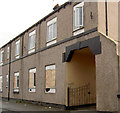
(80,96)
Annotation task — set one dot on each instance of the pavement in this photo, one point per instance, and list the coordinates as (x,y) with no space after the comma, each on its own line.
(13,106)
(17,107)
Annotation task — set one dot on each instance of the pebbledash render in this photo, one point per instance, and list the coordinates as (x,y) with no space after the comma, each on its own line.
(69,58)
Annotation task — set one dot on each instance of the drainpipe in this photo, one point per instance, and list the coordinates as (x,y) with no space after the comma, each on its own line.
(9,72)
(106,17)
(22,64)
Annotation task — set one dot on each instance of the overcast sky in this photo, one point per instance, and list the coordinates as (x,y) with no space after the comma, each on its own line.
(17,15)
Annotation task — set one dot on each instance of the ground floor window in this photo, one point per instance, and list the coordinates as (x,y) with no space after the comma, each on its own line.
(32,80)
(1,83)
(6,81)
(16,82)
(50,79)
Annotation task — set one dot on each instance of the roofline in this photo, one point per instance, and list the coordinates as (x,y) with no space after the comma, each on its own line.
(43,19)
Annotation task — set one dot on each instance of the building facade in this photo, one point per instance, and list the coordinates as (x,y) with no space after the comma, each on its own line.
(68,58)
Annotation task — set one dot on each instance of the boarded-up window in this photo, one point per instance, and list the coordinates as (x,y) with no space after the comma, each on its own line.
(32,80)
(1,83)
(50,79)
(16,82)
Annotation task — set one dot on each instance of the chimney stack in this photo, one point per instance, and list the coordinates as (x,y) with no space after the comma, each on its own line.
(56,6)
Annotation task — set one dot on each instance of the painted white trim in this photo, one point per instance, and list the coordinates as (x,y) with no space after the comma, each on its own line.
(52,21)
(52,90)
(52,42)
(31,51)
(78,32)
(32,33)
(81,4)
(50,67)
(32,70)
(16,90)
(16,74)
(32,90)
(17,56)
(17,42)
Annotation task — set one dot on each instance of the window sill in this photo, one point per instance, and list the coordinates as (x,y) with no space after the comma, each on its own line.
(16,57)
(31,51)
(51,91)
(78,31)
(16,91)
(52,39)
(51,42)
(32,90)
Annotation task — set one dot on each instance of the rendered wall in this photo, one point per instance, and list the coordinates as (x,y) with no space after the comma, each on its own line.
(112,19)
(107,76)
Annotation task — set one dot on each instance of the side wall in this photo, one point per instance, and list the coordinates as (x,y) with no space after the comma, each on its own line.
(112,21)
(107,76)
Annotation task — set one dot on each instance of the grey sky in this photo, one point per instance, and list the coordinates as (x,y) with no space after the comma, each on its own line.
(18,15)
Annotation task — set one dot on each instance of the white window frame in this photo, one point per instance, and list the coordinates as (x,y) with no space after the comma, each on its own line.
(53,31)
(8,52)
(48,67)
(17,55)
(16,89)
(7,80)
(34,87)
(1,57)
(31,34)
(1,78)
(75,26)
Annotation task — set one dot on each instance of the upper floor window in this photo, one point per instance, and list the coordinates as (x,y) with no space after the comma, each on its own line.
(50,79)
(51,31)
(8,51)
(17,49)
(31,46)
(78,16)
(1,83)
(16,82)
(1,57)
(32,80)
